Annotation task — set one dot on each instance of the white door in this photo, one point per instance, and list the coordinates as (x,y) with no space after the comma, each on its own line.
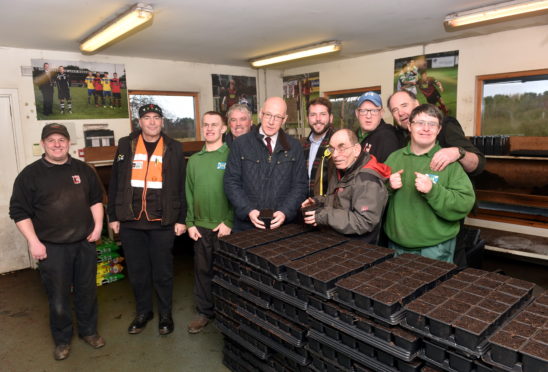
(13,247)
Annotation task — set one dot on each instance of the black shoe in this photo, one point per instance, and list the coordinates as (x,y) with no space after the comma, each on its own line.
(166,324)
(139,323)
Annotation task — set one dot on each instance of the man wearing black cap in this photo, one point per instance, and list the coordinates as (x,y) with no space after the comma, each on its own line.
(147,207)
(57,206)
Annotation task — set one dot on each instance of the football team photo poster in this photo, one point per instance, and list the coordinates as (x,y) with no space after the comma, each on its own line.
(431,77)
(68,90)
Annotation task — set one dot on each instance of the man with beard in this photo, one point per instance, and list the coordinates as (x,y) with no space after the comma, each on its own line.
(320,119)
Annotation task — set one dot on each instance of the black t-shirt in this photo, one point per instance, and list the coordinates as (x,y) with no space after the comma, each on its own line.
(57,198)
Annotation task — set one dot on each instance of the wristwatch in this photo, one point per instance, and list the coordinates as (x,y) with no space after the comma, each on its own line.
(462,153)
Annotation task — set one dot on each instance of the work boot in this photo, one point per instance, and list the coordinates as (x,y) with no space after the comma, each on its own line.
(95,341)
(198,324)
(61,352)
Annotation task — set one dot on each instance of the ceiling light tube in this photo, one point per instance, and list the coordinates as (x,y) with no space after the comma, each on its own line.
(312,50)
(136,16)
(494,12)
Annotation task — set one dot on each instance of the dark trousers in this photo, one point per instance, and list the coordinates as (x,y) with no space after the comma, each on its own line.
(204,248)
(149,259)
(47,96)
(70,265)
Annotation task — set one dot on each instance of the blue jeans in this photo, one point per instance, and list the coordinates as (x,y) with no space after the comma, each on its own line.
(443,251)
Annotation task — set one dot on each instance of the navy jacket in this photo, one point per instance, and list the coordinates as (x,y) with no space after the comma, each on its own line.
(256,180)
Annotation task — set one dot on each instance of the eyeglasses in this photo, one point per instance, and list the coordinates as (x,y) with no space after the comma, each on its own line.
(424,123)
(338,148)
(277,118)
(372,112)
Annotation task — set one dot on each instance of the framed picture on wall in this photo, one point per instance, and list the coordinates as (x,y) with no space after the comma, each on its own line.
(180,110)
(232,89)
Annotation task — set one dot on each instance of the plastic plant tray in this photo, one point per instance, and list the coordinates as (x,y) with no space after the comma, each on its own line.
(241,341)
(236,357)
(517,367)
(303,360)
(320,364)
(464,366)
(359,334)
(368,361)
(293,338)
(239,292)
(281,295)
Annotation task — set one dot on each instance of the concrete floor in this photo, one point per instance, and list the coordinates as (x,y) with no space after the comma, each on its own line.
(26,344)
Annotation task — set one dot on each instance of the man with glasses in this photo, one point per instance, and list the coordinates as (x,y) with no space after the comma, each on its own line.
(266,171)
(376,137)
(319,120)
(356,196)
(239,121)
(425,205)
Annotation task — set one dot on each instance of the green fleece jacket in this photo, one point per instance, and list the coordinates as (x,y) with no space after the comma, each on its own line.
(417,220)
(205,195)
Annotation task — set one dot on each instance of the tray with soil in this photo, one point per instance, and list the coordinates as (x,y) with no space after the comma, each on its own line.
(238,243)
(318,272)
(534,356)
(272,258)
(388,286)
(449,360)
(392,340)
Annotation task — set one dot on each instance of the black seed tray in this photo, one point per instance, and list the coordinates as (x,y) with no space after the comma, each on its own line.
(455,362)
(261,353)
(299,356)
(369,361)
(279,294)
(238,358)
(290,333)
(290,312)
(487,358)
(237,290)
(226,263)
(237,244)
(382,290)
(226,309)
(318,272)
(281,363)
(321,364)
(391,347)
(272,258)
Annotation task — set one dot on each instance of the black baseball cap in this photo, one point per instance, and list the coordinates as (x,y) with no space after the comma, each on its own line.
(54,128)
(150,108)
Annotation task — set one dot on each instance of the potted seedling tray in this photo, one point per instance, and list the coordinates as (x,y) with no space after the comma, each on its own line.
(392,340)
(280,327)
(227,263)
(257,349)
(382,290)
(237,358)
(238,243)
(280,290)
(449,360)
(321,364)
(318,272)
(297,354)
(522,343)
(464,310)
(227,282)
(272,258)
(364,354)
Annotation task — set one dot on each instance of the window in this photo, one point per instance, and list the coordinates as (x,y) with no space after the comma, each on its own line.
(344,105)
(180,110)
(513,104)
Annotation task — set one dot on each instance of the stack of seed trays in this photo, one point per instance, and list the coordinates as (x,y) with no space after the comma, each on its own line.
(265,283)
(450,360)
(272,258)
(391,339)
(521,345)
(382,290)
(237,358)
(232,283)
(318,273)
(463,311)
(236,245)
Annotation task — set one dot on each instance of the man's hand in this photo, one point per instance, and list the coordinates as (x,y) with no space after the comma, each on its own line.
(38,250)
(278,220)
(254,218)
(310,218)
(307,202)
(443,158)
(423,183)
(193,233)
(179,229)
(115,226)
(222,230)
(395,180)
(95,235)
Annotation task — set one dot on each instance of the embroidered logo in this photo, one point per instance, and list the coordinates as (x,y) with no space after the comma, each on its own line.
(120,157)
(433,177)
(221,165)
(137,165)
(76,179)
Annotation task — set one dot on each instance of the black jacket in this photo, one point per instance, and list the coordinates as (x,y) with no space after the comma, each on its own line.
(172,203)
(256,180)
(382,141)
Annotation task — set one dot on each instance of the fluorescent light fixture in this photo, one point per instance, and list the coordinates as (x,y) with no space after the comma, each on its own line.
(495,12)
(136,16)
(308,51)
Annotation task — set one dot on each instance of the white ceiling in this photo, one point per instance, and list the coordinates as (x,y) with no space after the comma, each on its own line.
(234,31)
